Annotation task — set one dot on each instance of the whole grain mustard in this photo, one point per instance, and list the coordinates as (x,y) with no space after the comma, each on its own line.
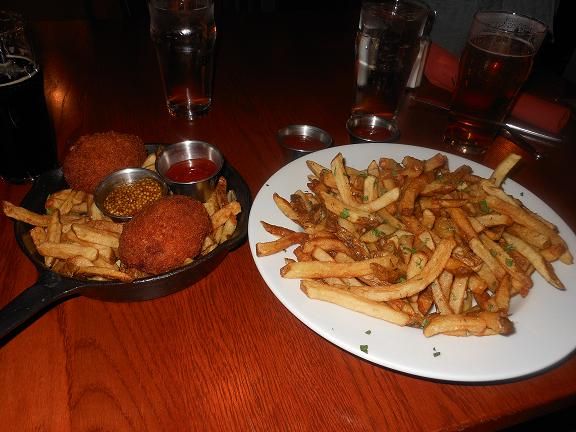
(129,198)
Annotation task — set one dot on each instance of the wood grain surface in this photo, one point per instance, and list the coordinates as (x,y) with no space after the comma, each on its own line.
(225,354)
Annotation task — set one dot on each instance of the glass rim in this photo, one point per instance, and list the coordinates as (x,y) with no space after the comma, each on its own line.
(425,8)
(166,8)
(13,18)
(480,15)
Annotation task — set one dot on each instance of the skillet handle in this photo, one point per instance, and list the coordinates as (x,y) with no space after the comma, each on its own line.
(48,289)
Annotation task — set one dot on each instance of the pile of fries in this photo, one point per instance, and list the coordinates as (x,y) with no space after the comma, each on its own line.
(77,240)
(416,244)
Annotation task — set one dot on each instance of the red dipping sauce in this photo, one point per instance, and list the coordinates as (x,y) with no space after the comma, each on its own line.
(191,170)
(373,133)
(303,143)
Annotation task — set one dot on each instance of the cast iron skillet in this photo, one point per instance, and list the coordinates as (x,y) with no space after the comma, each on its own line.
(52,288)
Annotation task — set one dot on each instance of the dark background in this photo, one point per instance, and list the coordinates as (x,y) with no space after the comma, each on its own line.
(557,55)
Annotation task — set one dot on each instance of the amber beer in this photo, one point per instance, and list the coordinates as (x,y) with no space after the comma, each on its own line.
(492,71)
(494,65)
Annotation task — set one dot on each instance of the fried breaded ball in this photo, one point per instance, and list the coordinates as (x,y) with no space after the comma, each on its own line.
(164,234)
(93,157)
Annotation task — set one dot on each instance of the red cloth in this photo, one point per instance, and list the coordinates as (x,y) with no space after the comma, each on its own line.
(441,69)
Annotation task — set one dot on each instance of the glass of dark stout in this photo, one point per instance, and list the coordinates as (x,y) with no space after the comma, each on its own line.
(494,65)
(27,141)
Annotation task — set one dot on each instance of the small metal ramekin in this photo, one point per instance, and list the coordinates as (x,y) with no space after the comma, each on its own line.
(371,128)
(319,140)
(120,177)
(187,150)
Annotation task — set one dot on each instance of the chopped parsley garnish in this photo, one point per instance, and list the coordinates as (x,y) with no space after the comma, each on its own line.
(509,262)
(377,232)
(401,279)
(493,253)
(364,197)
(409,250)
(435,353)
(345,214)
(364,348)
(484,208)
(368,332)
(509,247)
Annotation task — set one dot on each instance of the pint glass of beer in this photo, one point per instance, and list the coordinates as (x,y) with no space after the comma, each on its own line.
(27,141)
(184,34)
(494,65)
(387,45)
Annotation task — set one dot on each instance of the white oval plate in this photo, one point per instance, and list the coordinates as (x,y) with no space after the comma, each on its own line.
(544,321)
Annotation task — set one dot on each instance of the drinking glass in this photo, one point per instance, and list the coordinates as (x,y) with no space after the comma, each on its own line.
(494,65)
(27,141)
(387,45)
(184,34)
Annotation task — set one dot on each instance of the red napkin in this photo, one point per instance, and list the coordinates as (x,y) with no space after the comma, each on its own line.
(442,70)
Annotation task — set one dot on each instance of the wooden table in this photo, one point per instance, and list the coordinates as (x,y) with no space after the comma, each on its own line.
(225,354)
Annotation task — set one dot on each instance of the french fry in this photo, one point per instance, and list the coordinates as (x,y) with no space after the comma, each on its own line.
(105,225)
(540,264)
(150,162)
(458,294)
(491,220)
(53,234)
(104,252)
(530,236)
(275,229)
(322,291)
(275,246)
(503,168)
(480,324)
(24,215)
(341,179)
(454,323)
(67,250)
(104,272)
(285,208)
(412,286)
(223,214)
(507,263)
(381,202)
(329,244)
(349,213)
(318,270)
(93,235)
(440,299)
(461,220)
(38,235)
(502,295)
